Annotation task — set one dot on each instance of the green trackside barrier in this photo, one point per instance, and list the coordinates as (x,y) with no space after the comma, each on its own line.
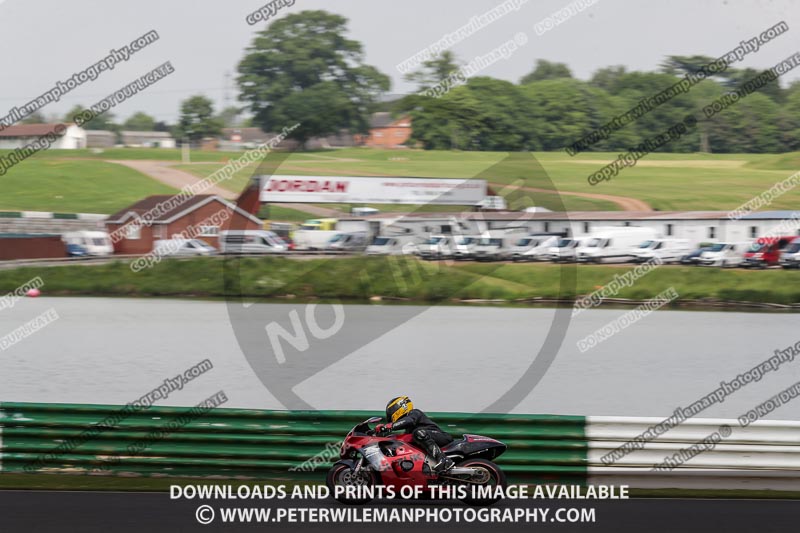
(254,443)
(65,216)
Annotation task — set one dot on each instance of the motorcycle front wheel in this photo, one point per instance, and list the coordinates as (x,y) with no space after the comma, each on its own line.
(343,476)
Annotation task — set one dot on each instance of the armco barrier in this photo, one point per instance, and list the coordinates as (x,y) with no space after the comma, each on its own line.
(270,444)
(258,444)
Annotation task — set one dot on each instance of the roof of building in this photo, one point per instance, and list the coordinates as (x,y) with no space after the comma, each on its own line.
(159,134)
(586,215)
(248,134)
(384,120)
(100,133)
(175,211)
(31,130)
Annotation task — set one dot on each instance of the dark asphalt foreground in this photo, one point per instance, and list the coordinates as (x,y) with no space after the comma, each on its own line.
(120,512)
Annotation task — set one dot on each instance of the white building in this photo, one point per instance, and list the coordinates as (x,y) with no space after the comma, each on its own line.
(19,135)
(695,226)
(147,139)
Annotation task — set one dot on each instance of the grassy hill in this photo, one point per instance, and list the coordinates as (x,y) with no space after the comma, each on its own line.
(81,181)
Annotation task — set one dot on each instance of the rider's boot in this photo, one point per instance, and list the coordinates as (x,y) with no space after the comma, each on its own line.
(442,463)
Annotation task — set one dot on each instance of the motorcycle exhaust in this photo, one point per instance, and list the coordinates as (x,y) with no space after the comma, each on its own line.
(460,471)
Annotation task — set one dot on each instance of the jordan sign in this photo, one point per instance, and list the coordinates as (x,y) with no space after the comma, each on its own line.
(379,190)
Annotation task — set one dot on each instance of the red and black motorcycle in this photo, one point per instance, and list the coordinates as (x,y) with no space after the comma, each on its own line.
(367,460)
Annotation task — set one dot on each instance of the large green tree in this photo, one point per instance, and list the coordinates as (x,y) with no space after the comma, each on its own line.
(303,69)
(139,121)
(197,119)
(546,70)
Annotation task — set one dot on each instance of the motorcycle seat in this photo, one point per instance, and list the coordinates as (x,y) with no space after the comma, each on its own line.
(455,446)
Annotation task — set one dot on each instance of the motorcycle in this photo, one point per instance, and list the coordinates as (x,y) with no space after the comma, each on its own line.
(368,460)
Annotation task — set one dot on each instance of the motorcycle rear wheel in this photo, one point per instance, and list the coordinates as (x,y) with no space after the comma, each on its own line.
(493,477)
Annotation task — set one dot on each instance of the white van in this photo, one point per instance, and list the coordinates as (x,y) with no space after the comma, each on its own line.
(790,256)
(666,250)
(613,244)
(436,247)
(388,245)
(250,242)
(464,247)
(565,249)
(96,243)
(182,248)
(533,247)
(348,242)
(495,244)
(724,254)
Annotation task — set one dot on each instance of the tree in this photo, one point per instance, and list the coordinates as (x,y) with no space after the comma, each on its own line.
(434,70)
(139,121)
(301,69)
(103,121)
(608,78)
(546,70)
(229,117)
(197,119)
(37,117)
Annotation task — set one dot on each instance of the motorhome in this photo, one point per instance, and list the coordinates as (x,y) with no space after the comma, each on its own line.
(355,241)
(613,244)
(790,256)
(723,254)
(250,242)
(495,244)
(662,250)
(97,243)
(533,247)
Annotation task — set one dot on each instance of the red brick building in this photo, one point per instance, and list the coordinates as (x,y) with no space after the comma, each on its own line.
(195,211)
(387,132)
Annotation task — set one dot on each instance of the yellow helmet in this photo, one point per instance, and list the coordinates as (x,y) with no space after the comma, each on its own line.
(398,408)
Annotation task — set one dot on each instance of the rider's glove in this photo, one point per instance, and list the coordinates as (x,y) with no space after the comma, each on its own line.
(383,429)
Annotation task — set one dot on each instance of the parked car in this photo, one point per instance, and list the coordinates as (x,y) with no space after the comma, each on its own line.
(355,241)
(693,257)
(95,243)
(250,242)
(183,247)
(723,254)
(790,256)
(533,247)
(76,250)
(665,250)
(613,244)
(765,251)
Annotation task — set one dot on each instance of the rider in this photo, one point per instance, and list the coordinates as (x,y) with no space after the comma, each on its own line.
(401,415)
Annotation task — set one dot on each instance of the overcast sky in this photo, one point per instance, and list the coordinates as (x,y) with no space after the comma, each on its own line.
(43,41)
